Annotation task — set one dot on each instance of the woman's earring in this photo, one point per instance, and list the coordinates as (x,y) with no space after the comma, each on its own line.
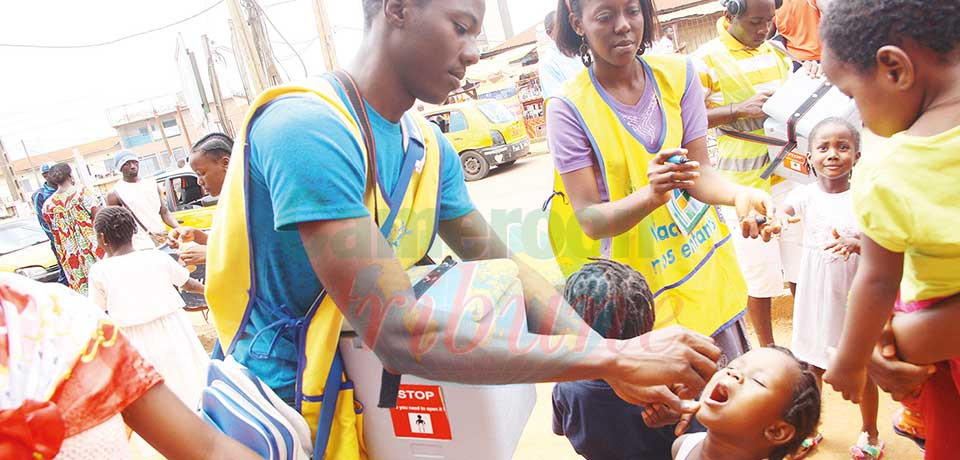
(585,56)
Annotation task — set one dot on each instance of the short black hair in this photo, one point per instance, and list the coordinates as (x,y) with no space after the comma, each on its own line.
(569,42)
(217,145)
(803,413)
(59,173)
(837,121)
(116,224)
(372,7)
(854,30)
(613,298)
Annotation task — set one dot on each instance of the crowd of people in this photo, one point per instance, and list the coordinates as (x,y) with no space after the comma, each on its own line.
(334,189)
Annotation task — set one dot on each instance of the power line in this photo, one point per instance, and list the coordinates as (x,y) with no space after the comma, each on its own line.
(277,29)
(115,40)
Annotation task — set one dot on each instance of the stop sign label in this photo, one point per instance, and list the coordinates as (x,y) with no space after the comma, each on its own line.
(420,413)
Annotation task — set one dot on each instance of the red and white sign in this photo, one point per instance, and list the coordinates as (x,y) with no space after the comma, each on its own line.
(420,413)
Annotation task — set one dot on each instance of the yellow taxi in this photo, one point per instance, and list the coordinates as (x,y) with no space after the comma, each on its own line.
(182,194)
(25,250)
(485,134)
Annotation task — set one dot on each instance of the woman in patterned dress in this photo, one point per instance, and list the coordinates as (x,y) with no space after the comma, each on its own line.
(69,213)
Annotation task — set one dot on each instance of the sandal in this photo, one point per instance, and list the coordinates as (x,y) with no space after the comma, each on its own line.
(863,450)
(909,425)
(808,446)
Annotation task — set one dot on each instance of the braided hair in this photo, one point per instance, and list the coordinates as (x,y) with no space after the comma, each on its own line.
(851,39)
(59,173)
(217,145)
(804,410)
(572,44)
(116,224)
(613,298)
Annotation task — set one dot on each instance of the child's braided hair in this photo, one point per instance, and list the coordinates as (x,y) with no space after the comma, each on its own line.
(217,145)
(804,410)
(116,224)
(613,298)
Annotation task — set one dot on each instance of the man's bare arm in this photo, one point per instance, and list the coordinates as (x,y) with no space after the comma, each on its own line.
(363,277)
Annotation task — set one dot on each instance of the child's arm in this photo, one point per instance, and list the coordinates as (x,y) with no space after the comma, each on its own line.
(193,286)
(96,292)
(929,336)
(176,432)
(872,298)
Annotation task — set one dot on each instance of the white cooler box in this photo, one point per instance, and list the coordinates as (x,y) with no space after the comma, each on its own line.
(436,420)
(784,105)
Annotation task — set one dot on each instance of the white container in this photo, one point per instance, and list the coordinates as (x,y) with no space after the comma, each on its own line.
(784,104)
(485,421)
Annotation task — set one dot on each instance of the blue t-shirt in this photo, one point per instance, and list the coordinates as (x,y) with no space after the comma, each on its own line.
(306,166)
(601,426)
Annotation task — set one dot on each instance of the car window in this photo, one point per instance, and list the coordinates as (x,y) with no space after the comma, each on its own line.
(19,235)
(442,120)
(458,122)
(495,112)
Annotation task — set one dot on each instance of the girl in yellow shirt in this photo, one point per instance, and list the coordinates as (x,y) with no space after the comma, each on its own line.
(899,59)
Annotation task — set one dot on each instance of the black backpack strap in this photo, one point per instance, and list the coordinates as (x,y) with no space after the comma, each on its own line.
(370,144)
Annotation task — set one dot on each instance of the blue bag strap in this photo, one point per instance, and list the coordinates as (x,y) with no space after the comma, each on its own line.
(328,406)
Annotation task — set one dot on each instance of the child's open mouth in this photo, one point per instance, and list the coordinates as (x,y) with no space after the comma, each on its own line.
(719,395)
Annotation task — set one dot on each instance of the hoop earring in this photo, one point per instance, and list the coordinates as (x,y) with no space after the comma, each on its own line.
(585,56)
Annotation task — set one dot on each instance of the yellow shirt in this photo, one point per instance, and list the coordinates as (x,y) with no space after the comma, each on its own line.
(730,73)
(905,196)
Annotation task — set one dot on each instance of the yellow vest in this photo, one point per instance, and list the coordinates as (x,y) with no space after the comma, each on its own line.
(741,161)
(230,278)
(695,279)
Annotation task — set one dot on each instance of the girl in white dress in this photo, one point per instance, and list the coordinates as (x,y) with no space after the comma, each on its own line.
(831,250)
(138,289)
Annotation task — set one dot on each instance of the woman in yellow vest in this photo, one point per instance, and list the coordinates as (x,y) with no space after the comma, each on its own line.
(628,139)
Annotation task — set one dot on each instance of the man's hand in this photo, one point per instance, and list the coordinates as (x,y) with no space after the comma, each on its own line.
(753,107)
(193,254)
(846,380)
(670,356)
(813,69)
(757,213)
(901,379)
(185,235)
(660,415)
(842,245)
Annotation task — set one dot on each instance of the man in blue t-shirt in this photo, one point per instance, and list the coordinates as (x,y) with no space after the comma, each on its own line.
(39,198)
(309,228)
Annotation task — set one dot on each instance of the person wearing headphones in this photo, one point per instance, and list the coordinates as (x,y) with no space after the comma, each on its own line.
(740,70)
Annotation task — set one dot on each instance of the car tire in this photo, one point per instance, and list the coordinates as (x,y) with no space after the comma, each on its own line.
(475,166)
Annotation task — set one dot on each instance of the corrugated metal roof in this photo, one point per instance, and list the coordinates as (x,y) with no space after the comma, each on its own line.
(705,9)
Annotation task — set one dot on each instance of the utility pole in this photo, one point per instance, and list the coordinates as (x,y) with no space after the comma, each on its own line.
(326,36)
(183,126)
(237,56)
(15,191)
(163,134)
(261,41)
(30,162)
(505,19)
(247,50)
(215,85)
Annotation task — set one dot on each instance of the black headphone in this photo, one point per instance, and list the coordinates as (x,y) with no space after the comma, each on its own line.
(738,7)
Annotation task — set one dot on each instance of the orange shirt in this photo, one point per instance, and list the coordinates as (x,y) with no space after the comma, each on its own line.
(799,22)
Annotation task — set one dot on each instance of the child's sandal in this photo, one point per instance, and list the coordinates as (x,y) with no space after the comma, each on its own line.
(863,450)
(808,446)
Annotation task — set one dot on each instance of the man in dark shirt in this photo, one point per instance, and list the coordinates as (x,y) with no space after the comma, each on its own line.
(39,197)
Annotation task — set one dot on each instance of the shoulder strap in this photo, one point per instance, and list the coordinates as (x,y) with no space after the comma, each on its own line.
(135,218)
(353,94)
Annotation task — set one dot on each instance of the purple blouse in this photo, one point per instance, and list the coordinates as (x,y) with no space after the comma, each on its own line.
(571,148)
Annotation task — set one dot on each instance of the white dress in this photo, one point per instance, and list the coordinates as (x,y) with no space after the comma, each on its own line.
(137,291)
(825,278)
